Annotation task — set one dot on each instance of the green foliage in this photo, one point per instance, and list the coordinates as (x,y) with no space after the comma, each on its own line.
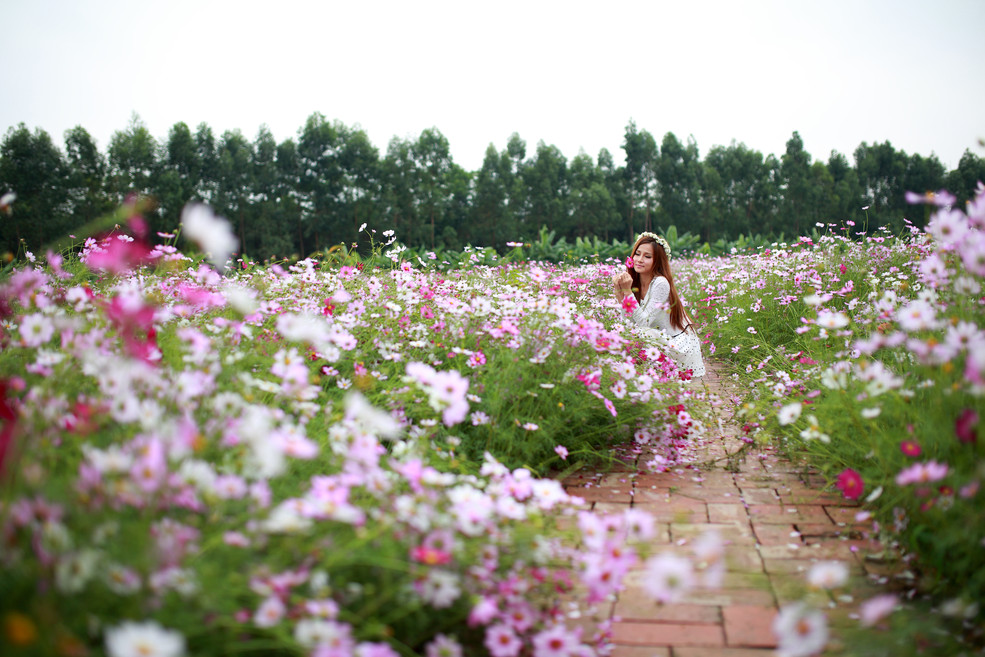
(307,194)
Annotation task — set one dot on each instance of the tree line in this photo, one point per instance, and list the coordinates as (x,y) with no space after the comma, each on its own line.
(314,191)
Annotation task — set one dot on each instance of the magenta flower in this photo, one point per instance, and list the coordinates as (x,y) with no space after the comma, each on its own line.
(911,448)
(850,484)
(629,304)
(965,425)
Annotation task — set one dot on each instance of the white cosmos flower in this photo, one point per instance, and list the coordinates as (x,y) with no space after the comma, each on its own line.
(827,575)
(800,631)
(212,233)
(147,639)
(74,571)
(789,414)
(832,320)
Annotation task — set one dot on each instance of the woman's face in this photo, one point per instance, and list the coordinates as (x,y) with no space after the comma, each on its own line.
(643,259)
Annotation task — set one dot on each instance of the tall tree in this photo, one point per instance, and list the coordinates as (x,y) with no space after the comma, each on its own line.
(32,167)
(360,162)
(399,180)
(964,180)
(180,174)
(208,158)
(133,161)
(640,175)
(847,202)
(590,204)
(289,198)
(490,210)
(86,180)
(432,157)
(615,183)
(235,191)
(881,170)
(795,165)
(546,184)
(320,146)
(678,173)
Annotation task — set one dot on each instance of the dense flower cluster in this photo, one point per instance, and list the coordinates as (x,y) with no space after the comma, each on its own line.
(324,457)
(863,352)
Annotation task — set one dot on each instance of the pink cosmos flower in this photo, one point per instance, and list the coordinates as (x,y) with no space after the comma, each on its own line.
(483,611)
(850,484)
(875,609)
(562,451)
(502,641)
(270,612)
(556,642)
(921,473)
(965,425)
(668,577)
(430,556)
(940,199)
(375,649)
(629,304)
(443,646)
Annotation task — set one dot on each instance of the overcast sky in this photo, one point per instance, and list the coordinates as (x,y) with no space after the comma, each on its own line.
(569,73)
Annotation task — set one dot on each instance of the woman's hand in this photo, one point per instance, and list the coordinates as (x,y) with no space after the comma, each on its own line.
(623,283)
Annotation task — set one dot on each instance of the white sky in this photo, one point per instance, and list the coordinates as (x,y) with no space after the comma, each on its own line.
(569,73)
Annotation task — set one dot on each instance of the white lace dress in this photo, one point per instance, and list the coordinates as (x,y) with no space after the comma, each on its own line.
(653,321)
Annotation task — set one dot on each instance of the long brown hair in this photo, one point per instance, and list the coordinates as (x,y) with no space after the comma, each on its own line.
(661,267)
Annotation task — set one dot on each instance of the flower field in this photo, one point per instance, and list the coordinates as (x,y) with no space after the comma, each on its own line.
(308,459)
(865,356)
(335,458)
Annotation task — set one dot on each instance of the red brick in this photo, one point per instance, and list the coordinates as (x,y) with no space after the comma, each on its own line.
(743,558)
(726,597)
(783,515)
(640,651)
(745,581)
(733,533)
(727,512)
(635,605)
(842,514)
(760,496)
(814,497)
(749,626)
(603,494)
(721,652)
(718,495)
(768,534)
(668,634)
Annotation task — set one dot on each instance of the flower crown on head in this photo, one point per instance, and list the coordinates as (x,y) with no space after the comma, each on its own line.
(659,240)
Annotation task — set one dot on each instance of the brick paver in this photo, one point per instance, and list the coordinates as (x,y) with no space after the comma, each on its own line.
(775,522)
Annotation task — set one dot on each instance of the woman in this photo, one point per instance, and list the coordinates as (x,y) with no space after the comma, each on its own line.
(660,312)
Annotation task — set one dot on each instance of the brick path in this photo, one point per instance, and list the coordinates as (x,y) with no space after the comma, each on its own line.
(775,526)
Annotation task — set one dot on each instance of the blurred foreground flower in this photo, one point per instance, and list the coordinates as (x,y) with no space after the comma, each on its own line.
(850,484)
(146,639)
(789,414)
(875,609)
(210,232)
(965,425)
(827,575)
(800,631)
